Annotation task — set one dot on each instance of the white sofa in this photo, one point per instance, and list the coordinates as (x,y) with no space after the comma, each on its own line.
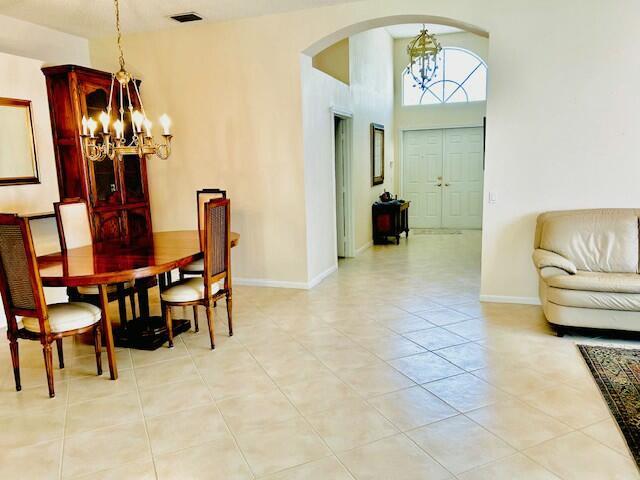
(588,264)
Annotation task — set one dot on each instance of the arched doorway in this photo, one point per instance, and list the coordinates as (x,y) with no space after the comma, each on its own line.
(319,127)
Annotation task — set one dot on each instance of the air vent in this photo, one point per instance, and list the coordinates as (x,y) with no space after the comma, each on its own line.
(186,17)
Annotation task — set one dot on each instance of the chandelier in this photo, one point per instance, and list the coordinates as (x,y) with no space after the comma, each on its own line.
(102,145)
(423,53)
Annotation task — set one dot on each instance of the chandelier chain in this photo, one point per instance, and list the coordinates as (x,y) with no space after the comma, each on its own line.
(116,4)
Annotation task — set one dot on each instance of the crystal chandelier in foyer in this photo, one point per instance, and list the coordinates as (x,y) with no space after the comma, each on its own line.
(142,142)
(423,53)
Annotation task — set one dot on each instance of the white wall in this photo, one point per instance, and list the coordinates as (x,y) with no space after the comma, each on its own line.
(369,98)
(435,116)
(20,77)
(562,119)
(25,39)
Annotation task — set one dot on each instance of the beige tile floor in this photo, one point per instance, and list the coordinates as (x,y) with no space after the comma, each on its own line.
(390,369)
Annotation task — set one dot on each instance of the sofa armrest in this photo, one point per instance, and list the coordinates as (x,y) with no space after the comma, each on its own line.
(543,259)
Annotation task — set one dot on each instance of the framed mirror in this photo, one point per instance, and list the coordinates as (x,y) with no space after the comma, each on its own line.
(18,163)
(377,154)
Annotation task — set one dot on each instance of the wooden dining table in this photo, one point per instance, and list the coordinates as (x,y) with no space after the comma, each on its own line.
(111,262)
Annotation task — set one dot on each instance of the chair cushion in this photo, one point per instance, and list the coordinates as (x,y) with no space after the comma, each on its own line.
(188,290)
(194,267)
(66,316)
(93,289)
(597,282)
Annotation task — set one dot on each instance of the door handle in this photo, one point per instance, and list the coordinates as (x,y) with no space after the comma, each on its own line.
(446,184)
(438,184)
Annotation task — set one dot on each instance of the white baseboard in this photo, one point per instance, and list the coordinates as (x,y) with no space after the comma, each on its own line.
(508,299)
(259,282)
(364,247)
(321,276)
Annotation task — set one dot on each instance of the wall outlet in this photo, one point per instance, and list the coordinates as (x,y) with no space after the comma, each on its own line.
(492,197)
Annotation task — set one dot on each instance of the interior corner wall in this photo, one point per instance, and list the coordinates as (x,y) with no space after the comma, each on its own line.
(372,85)
(369,98)
(24,49)
(435,116)
(334,61)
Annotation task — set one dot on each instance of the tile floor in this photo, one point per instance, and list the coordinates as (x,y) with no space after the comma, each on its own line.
(390,368)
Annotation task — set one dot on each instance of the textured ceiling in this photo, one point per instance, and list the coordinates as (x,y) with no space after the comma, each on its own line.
(95,18)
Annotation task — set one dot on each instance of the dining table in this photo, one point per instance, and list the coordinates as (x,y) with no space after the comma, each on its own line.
(145,261)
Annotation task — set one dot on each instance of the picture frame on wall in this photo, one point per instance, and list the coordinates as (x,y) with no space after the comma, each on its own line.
(377,154)
(18,160)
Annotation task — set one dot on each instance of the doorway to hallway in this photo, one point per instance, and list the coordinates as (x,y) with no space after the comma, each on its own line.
(442,176)
(342,161)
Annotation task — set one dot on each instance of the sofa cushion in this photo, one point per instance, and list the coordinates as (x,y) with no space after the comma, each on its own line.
(598,300)
(597,282)
(603,240)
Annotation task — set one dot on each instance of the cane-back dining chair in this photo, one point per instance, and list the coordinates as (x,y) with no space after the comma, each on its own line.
(197,267)
(74,230)
(23,296)
(215,283)
(202,198)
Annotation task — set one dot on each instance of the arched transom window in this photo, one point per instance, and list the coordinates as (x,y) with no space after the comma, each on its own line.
(461,77)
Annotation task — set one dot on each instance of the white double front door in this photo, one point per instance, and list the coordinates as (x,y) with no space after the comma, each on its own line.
(442,177)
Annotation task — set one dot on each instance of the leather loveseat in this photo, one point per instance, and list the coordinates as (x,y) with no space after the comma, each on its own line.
(588,264)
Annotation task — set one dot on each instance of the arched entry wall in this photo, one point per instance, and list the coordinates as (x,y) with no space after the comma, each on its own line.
(562,129)
(379,22)
(370,99)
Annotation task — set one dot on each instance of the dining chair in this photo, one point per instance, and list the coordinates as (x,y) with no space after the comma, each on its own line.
(197,267)
(74,230)
(202,197)
(215,283)
(23,296)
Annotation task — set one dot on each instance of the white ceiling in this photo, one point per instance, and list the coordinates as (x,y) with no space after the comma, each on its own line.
(95,18)
(407,30)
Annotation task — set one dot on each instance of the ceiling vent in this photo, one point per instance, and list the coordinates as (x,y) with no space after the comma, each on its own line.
(186,17)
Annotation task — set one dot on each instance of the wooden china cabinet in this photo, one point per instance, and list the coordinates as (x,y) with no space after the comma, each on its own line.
(115,190)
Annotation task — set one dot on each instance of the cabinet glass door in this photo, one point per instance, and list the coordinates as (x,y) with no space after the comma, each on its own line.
(104,180)
(132,178)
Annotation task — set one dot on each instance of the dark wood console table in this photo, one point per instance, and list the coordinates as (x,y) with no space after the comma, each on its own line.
(390,219)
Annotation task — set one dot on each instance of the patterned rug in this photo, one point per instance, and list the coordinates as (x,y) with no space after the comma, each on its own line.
(617,373)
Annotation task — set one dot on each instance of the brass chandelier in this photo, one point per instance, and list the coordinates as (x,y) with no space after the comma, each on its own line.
(423,53)
(141,143)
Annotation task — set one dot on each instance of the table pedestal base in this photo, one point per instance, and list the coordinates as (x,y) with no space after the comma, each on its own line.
(148,333)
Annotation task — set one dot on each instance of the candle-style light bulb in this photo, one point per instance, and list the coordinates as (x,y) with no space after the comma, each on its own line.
(165,121)
(147,126)
(119,128)
(92,125)
(85,127)
(137,118)
(104,120)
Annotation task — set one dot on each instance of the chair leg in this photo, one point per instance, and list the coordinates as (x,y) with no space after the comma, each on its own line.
(15,360)
(132,300)
(97,342)
(166,310)
(60,353)
(195,317)
(122,310)
(48,365)
(230,313)
(210,321)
